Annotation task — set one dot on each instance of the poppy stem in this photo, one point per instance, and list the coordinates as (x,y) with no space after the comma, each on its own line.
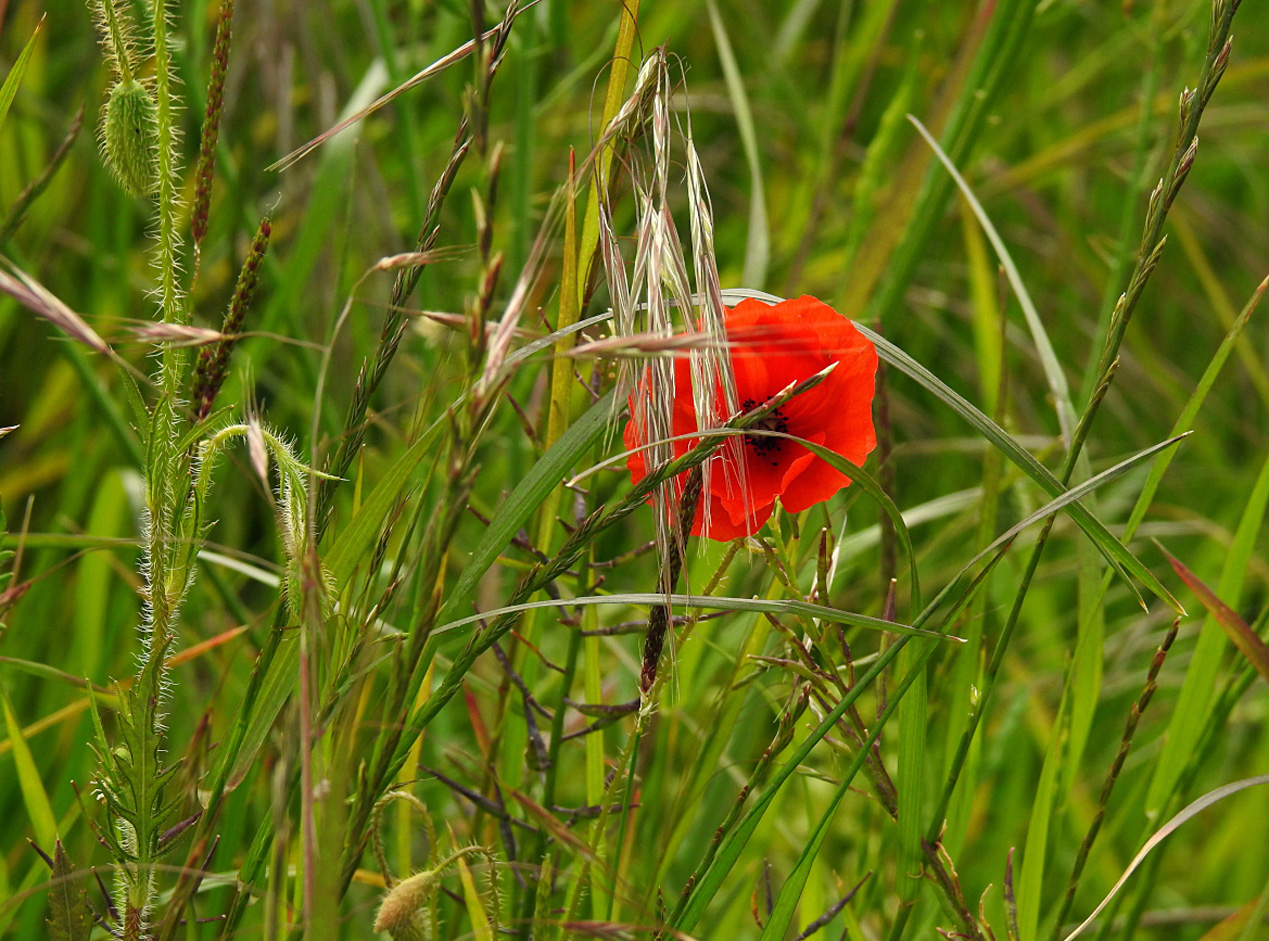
(659,617)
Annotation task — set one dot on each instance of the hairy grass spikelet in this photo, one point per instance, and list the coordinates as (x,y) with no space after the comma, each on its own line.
(129,137)
(408,909)
(403,913)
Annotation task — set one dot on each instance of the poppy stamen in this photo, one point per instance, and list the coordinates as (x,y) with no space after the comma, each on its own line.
(763,445)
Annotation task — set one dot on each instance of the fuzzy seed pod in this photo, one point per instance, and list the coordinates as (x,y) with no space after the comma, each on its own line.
(129,137)
(403,911)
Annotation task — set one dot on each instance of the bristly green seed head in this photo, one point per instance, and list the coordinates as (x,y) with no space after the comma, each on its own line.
(402,912)
(129,137)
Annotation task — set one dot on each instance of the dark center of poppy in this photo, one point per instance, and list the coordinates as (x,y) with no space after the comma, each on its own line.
(764,446)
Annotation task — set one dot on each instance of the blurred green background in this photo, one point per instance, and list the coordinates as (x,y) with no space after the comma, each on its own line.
(813,174)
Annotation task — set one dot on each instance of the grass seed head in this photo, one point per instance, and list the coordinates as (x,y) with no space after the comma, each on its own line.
(403,912)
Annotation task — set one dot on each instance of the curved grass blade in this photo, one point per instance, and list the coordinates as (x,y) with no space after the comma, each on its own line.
(275,690)
(14,78)
(1207,800)
(1048,358)
(1192,406)
(758,245)
(48,672)
(1074,494)
(1111,548)
(31,192)
(1193,710)
(871,487)
(34,797)
(356,541)
(524,500)
(713,603)
(1244,638)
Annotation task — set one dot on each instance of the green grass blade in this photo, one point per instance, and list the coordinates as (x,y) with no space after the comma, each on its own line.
(34,798)
(1069,497)
(357,539)
(1030,884)
(1190,412)
(1218,299)
(1244,638)
(622,59)
(869,485)
(1158,469)
(46,671)
(527,496)
(411,148)
(275,690)
(1164,832)
(989,342)
(1194,704)
(1111,548)
(481,929)
(14,78)
(882,150)
(758,243)
(1044,347)
(911,777)
(1085,674)
(994,60)
(32,191)
(314,233)
(559,408)
(788,606)
(92,630)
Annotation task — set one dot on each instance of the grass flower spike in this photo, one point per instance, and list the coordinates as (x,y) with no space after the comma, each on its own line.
(771,347)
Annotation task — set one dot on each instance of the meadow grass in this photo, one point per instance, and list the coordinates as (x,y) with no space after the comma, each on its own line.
(331,610)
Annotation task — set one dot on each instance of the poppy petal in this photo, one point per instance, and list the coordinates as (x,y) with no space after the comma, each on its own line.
(773,346)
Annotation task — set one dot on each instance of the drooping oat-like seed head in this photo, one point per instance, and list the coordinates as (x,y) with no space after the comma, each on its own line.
(714,372)
(659,283)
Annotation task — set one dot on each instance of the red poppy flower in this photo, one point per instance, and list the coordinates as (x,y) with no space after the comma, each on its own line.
(771,347)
